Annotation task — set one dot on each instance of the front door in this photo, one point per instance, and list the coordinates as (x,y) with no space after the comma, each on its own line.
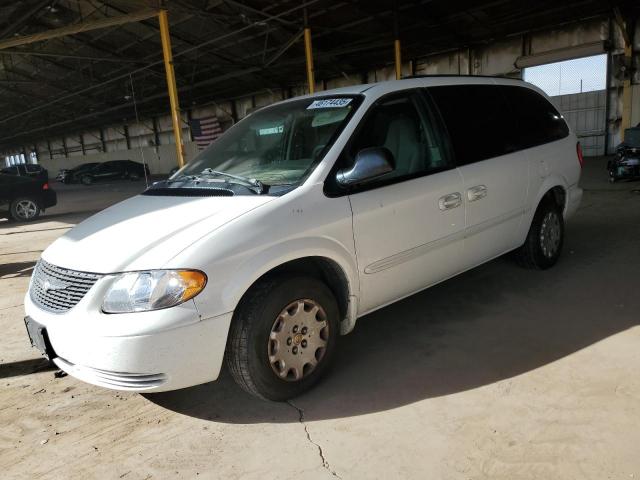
(408,226)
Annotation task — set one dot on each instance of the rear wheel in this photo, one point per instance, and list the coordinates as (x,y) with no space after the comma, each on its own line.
(283,337)
(543,245)
(24,209)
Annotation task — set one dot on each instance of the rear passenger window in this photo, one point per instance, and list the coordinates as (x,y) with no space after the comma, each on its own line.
(478,119)
(538,120)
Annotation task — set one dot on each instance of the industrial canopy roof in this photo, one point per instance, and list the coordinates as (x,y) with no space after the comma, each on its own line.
(226,48)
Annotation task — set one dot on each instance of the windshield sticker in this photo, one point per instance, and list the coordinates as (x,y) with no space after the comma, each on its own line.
(330,103)
(271,131)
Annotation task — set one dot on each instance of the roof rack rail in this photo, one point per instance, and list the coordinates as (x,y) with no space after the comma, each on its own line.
(436,75)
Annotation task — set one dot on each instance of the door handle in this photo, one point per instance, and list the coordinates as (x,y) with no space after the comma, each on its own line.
(476,193)
(450,201)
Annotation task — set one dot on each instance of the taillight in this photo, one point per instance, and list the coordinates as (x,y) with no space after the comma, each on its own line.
(45,186)
(580,156)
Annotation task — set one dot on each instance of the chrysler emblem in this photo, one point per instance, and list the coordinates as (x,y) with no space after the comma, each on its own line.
(53,285)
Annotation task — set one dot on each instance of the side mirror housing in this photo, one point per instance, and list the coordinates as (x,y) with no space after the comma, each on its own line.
(370,164)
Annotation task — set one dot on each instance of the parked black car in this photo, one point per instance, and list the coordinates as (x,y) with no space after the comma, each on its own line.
(25,197)
(29,170)
(73,175)
(113,170)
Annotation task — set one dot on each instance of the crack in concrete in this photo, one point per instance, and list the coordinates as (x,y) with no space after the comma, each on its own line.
(325,463)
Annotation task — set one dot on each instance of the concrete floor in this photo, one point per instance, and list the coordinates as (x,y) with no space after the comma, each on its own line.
(499,373)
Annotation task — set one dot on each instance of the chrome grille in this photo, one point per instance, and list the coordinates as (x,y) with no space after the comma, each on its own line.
(56,289)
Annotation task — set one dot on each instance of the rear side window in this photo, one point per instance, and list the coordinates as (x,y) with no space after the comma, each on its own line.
(538,120)
(478,119)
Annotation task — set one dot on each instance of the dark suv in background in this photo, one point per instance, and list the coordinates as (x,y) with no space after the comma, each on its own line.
(113,170)
(25,197)
(72,175)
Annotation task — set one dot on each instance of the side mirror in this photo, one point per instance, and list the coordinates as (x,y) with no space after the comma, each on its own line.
(370,164)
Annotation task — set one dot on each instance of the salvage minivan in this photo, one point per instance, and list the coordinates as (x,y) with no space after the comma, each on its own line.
(300,219)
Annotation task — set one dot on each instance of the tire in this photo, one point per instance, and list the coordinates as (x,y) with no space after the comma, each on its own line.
(269,327)
(543,246)
(24,209)
(86,180)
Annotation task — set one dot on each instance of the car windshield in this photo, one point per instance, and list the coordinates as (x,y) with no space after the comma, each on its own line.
(277,145)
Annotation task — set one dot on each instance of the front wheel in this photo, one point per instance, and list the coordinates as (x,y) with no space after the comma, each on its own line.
(283,337)
(543,245)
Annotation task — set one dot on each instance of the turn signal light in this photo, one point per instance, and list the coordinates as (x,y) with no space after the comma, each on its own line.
(45,186)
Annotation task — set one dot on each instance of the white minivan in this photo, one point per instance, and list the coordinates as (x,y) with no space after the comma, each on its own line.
(301,218)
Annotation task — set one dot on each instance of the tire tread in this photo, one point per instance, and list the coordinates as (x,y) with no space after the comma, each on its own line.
(527,256)
(237,352)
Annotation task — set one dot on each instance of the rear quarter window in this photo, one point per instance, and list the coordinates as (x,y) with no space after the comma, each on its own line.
(538,120)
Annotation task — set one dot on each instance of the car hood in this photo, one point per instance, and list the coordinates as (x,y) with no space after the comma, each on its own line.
(145,232)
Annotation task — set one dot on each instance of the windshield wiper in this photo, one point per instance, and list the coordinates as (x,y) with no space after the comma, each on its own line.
(257,185)
(252,184)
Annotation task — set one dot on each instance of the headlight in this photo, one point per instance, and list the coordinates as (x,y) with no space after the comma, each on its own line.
(153,290)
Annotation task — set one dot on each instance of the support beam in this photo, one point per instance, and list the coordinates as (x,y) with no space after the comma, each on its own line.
(82,146)
(171,85)
(627,28)
(78,28)
(626,90)
(308,52)
(396,46)
(103,143)
(189,118)
(34,53)
(398,58)
(17,23)
(234,111)
(156,133)
(127,138)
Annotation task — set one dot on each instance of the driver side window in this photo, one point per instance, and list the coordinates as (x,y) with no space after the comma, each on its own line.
(401,124)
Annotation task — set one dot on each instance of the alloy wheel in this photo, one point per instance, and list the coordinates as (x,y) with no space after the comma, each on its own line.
(26,209)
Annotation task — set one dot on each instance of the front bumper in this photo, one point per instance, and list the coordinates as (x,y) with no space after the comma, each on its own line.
(153,358)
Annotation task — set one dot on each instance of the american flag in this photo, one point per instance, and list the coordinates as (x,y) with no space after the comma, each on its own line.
(205,130)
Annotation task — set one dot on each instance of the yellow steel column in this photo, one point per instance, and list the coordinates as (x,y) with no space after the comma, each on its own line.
(396,45)
(171,84)
(309,56)
(308,52)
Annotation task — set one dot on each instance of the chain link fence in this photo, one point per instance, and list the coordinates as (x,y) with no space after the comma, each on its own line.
(578,89)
